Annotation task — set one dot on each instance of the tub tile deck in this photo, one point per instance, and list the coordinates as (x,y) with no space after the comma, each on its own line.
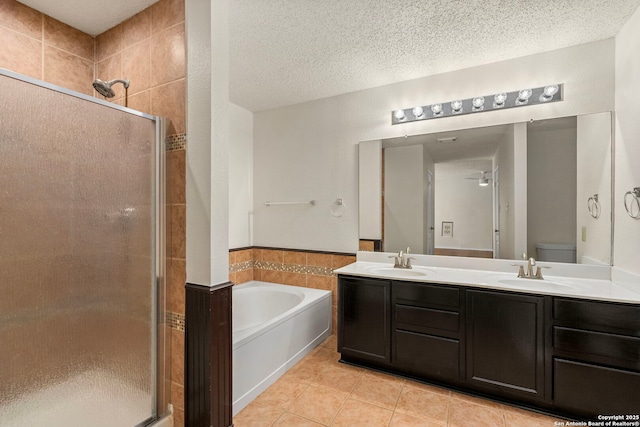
(320,391)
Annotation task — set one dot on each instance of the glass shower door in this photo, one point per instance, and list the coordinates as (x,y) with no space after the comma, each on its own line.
(77,260)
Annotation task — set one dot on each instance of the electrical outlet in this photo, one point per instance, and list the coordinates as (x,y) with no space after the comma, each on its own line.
(584,234)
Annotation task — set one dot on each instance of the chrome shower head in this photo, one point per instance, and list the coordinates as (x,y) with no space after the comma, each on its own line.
(104,88)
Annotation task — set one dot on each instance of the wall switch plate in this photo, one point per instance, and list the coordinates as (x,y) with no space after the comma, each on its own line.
(584,234)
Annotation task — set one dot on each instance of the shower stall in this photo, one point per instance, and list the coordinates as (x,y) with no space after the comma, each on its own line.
(82,286)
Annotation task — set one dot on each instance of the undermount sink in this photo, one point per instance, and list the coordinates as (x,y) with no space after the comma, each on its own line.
(535,283)
(400,272)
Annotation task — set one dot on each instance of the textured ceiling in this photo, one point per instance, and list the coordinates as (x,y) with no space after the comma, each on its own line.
(90,16)
(285,52)
(289,51)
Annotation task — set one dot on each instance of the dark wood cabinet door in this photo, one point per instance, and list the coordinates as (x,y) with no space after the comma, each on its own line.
(505,343)
(364,323)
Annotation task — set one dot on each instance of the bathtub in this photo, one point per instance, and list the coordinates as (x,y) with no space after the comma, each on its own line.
(274,326)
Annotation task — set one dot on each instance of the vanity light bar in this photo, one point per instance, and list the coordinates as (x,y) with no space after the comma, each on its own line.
(498,101)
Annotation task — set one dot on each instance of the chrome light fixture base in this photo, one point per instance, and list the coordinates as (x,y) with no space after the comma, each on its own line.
(437,110)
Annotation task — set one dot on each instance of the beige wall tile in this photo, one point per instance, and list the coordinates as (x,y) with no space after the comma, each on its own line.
(233,278)
(111,69)
(270,255)
(319,282)
(169,101)
(176,291)
(272,276)
(294,279)
(294,257)
(141,101)
(176,179)
(67,70)
(338,261)
(257,254)
(166,13)
(20,53)
(232,257)
(177,395)
(244,276)
(168,55)
(319,260)
(67,38)
(177,356)
(178,417)
(136,28)
(109,43)
(178,231)
(244,255)
(257,273)
(136,66)
(18,17)
(365,245)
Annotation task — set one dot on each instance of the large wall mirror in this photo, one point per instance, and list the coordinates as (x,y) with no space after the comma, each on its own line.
(540,188)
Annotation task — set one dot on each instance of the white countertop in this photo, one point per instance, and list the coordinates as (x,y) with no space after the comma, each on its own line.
(574,287)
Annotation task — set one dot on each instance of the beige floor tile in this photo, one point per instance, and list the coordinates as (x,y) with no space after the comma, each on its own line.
(377,391)
(404,420)
(306,370)
(282,393)
(337,378)
(427,387)
(331,342)
(318,404)
(290,420)
(386,377)
(423,404)
(476,400)
(257,415)
(520,417)
(465,414)
(355,413)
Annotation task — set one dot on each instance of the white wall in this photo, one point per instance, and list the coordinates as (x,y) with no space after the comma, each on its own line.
(627,142)
(370,189)
(551,186)
(309,150)
(404,202)
(504,161)
(465,203)
(594,177)
(240,177)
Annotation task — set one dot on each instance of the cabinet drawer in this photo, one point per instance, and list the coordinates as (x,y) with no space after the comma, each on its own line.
(409,316)
(433,295)
(597,343)
(621,317)
(427,355)
(591,389)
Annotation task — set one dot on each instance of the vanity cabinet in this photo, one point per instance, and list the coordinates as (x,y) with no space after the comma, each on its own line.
(427,330)
(596,349)
(364,320)
(575,357)
(506,343)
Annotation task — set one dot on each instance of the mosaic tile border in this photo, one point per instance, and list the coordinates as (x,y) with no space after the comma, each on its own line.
(175,320)
(241,266)
(294,268)
(176,142)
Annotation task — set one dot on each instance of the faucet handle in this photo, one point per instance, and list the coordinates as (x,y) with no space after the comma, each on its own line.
(408,262)
(408,251)
(539,272)
(397,261)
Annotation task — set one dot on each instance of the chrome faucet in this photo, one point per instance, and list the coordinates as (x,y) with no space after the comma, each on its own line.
(402,260)
(529,275)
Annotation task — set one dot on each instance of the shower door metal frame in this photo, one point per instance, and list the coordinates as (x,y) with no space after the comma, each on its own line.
(160,340)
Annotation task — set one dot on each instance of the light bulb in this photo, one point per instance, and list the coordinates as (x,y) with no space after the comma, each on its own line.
(399,115)
(437,109)
(551,90)
(548,92)
(483,182)
(417,112)
(456,106)
(499,99)
(523,96)
(478,103)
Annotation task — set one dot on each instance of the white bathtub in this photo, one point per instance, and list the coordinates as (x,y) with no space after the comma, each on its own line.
(274,326)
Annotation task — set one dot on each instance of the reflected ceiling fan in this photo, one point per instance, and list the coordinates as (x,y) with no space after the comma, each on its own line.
(483,181)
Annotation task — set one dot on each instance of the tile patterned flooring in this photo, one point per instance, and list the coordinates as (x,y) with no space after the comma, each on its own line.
(319,391)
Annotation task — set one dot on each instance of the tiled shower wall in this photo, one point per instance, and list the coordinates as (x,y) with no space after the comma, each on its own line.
(149,49)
